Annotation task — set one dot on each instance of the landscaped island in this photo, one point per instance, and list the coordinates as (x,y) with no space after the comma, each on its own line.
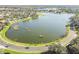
(36,30)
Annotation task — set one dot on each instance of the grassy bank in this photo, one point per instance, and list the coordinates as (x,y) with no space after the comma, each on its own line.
(9,41)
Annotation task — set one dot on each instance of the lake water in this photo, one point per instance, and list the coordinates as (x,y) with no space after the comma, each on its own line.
(45,29)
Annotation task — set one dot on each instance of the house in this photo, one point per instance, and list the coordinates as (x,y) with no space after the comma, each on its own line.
(1,25)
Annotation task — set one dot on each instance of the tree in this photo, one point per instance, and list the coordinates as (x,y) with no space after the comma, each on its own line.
(73,47)
(56,49)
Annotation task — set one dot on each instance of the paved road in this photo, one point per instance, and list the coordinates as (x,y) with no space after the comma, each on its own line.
(66,41)
(72,35)
(23,49)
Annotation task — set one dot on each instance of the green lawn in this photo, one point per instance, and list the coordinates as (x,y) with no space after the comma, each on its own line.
(7,40)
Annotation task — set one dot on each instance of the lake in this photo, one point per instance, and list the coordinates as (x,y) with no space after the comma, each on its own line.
(44,29)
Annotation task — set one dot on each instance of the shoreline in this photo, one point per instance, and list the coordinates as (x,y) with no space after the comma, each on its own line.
(8,41)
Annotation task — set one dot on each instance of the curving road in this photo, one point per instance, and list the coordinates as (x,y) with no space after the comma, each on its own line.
(23,49)
(72,35)
(65,42)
